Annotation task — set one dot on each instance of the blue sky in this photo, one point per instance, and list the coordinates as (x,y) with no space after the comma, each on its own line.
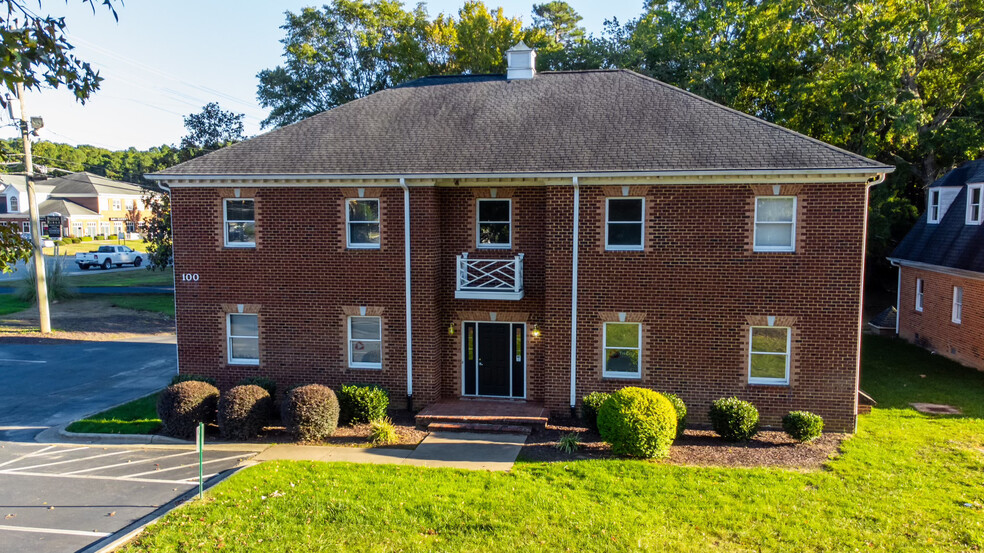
(166,59)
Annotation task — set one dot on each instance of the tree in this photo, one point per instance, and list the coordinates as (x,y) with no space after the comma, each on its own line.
(14,248)
(212,128)
(157,230)
(560,20)
(476,42)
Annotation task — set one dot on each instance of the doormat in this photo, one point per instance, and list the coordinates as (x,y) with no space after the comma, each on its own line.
(936,409)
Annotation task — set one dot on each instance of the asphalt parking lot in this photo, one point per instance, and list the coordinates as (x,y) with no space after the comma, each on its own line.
(65,498)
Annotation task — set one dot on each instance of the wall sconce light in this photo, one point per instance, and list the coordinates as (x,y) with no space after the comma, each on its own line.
(451,329)
(536,331)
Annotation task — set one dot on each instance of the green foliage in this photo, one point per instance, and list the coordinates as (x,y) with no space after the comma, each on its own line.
(733,419)
(13,248)
(182,406)
(10,304)
(382,432)
(136,417)
(186,377)
(681,412)
(153,303)
(157,230)
(268,384)
(362,403)
(86,239)
(243,411)
(803,426)
(212,128)
(638,422)
(57,283)
(589,408)
(310,412)
(570,442)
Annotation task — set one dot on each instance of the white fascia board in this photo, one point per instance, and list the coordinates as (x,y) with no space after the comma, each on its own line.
(963,273)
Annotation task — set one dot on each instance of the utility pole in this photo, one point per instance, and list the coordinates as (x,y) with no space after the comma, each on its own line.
(32,202)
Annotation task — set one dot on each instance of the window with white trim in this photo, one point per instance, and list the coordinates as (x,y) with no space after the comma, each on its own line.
(239,218)
(975,205)
(494,223)
(623,345)
(129,204)
(934,206)
(362,223)
(243,331)
(624,226)
(117,204)
(957,304)
(920,290)
(14,208)
(365,342)
(768,355)
(775,224)
(26,227)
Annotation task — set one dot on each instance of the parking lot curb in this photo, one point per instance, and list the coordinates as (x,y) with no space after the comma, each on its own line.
(93,438)
(128,533)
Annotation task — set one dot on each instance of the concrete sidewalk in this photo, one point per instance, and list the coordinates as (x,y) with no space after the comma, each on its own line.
(472,451)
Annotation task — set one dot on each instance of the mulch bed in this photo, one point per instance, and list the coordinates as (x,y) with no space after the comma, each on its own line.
(769,448)
(351,436)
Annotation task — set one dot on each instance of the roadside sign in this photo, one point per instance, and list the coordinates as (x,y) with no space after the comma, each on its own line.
(52,226)
(200,446)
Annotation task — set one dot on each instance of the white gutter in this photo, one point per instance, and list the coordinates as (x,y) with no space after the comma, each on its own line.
(962,273)
(406,269)
(576,238)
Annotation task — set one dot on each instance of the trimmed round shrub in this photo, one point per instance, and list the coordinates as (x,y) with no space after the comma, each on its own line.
(681,412)
(183,405)
(243,411)
(310,412)
(803,426)
(589,408)
(362,403)
(268,384)
(638,422)
(185,377)
(733,419)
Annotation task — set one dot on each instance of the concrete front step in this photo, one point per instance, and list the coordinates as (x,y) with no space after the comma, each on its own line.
(479,427)
(425,421)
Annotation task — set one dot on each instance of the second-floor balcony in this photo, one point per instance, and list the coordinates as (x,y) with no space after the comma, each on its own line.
(489,279)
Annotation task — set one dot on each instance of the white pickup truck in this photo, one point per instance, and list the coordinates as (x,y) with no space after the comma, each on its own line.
(108,256)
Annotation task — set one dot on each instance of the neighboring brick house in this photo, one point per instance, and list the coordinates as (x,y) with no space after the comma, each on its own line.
(90,205)
(941,269)
(568,232)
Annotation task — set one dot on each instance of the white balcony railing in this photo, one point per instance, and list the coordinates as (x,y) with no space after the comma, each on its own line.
(494,279)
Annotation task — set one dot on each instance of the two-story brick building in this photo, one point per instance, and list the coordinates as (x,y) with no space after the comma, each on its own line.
(539,236)
(941,269)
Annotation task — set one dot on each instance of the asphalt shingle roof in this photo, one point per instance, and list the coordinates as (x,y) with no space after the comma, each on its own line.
(951,242)
(581,121)
(87,183)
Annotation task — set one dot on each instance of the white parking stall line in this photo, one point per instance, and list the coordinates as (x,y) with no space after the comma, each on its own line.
(59,450)
(55,531)
(93,477)
(182,466)
(70,461)
(22,457)
(131,462)
(36,361)
(194,479)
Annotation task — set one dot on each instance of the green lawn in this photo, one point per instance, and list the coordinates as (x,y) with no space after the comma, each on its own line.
(158,303)
(901,484)
(10,304)
(72,249)
(137,417)
(140,277)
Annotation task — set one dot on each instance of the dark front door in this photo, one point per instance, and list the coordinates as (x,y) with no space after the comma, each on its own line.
(494,359)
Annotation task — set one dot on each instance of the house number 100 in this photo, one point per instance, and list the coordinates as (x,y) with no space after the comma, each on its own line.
(189,277)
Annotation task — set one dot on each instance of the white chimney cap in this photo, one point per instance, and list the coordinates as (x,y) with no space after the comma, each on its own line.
(520,62)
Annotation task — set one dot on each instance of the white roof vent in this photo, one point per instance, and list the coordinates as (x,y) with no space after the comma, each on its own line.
(520,62)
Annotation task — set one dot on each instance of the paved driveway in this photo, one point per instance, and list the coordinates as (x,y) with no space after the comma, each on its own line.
(60,499)
(57,382)
(68,265)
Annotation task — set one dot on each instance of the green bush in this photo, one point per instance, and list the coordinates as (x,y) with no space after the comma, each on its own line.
(803,426)
(100,237)
(382,432)
(569,443)
(56,279)
(188,377)
(310,412)
(268,384)
(185,404)
(638,422)
(733,419)
(681,412)
(85,239)
(589,408)
(362,403)
(60,242)
(243,412)
(76,240)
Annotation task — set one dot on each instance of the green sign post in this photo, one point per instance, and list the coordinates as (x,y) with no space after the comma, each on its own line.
(200,446)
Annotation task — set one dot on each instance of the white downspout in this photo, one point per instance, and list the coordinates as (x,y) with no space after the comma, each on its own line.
(577,225)
(406,270)
(898,297)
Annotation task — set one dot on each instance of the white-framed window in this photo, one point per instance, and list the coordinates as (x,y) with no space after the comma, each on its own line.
(243,332)
(623,348)
(129,204)
(239,223)
(975,204)
(494,223)
(624,224)
(14,208)
(934,206)
(117,204)
(775,224)
(26,226)
(957,304)
(768,355)
(920,291)
(365,342)
(131,226)
(362,223)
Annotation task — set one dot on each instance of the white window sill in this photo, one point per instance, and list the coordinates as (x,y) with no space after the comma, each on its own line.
(632,249)
(242,245)
(493,247)
(622,376)
(758,249)
(363,246)
(776,383)
(248,362)
(366,367)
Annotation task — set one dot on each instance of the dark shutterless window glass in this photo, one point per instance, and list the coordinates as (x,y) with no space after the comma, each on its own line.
(628,210)
(363,223)
(239,210)
(494,222)
(624,221)
(240,226)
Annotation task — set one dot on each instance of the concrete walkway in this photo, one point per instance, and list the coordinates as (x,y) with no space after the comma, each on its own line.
(472,451)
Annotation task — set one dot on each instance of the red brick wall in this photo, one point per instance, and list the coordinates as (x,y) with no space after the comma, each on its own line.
(933,328)
(695,288)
